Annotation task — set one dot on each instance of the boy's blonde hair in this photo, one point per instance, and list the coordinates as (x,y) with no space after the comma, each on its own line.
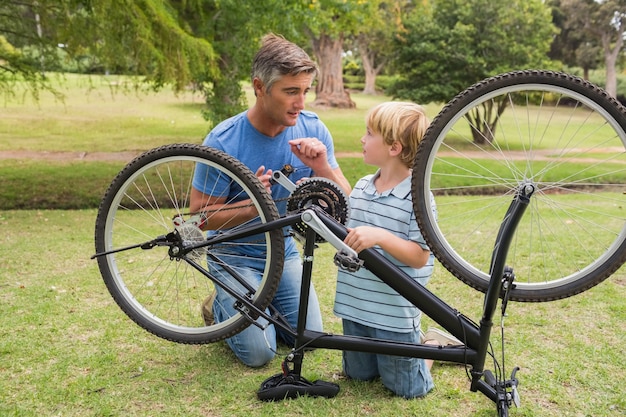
(400,121)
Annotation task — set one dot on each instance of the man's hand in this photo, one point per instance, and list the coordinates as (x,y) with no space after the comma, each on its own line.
(265,177)
(311,151)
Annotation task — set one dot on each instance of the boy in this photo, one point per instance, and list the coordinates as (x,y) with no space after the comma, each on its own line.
(382,217)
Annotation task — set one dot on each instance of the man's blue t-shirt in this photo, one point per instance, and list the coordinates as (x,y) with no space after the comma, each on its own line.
(237,137)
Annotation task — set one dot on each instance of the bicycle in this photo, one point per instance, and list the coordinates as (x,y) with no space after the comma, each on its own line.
(556,150)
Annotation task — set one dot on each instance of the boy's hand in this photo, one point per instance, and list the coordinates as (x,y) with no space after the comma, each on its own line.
(362,237)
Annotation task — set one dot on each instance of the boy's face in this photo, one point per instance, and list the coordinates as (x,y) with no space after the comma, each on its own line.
(375,150)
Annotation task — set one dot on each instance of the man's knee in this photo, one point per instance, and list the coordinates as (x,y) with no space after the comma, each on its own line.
(257,359)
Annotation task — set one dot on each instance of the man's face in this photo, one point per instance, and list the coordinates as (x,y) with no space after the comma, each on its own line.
(282,105)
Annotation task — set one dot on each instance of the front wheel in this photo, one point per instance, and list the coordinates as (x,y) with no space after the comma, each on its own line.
(560,133)
(148,201)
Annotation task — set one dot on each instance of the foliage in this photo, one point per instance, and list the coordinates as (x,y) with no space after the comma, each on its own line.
(573,45)
(132,37)
(202,44)
(456,43)
(376,33)
(591,32)
(234,29)
(442,46)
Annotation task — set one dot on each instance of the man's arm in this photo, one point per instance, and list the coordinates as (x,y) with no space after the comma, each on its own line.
(217,218)
(233,214)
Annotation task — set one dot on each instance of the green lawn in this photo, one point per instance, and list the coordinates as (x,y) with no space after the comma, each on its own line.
(97,116)
(66,349)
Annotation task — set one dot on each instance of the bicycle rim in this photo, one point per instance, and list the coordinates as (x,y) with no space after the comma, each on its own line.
(557,132)
(160,293)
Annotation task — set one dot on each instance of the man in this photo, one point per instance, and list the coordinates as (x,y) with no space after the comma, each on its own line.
(274,132)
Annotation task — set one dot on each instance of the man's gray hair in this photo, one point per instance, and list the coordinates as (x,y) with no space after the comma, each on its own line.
(279,57)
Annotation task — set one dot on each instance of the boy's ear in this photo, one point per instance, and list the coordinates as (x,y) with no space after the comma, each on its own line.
(395,149)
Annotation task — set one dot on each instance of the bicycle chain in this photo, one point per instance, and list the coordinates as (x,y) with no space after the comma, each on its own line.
(326,191)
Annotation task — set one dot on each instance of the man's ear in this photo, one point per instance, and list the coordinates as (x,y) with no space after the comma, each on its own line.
(257,84)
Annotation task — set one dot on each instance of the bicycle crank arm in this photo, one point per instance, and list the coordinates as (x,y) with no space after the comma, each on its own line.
(280,178)
(310,218)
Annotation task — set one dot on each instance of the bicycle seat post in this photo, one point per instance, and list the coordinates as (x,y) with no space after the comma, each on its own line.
(305,289)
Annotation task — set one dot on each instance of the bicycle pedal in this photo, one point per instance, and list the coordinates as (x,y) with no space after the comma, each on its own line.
(347,262)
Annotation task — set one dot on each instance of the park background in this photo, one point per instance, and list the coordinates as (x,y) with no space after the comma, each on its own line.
(66,349)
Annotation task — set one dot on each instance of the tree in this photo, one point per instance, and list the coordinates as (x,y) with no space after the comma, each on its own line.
(373,37)
(589,30)
(455,43)
(207,44)
(326,23)
(572,45)
(607,21)
(235,36)
(141,37)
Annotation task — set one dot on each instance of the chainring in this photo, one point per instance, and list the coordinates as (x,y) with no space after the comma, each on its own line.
(320,192)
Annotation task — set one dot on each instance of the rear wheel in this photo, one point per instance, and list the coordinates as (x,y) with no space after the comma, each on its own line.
(558,132)
(148,200)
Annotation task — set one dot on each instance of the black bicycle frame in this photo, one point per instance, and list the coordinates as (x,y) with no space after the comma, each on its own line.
(475,337)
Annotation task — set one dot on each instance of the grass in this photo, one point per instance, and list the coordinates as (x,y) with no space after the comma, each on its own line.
(59,185)
(66,349)
(96,116)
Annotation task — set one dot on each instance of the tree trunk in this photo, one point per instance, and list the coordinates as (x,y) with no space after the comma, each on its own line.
(329,90)
(370,80)
(371,71)
(483,120)
(610,60)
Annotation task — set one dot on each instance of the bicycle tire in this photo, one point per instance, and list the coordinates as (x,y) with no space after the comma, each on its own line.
(160,293)
(564,135)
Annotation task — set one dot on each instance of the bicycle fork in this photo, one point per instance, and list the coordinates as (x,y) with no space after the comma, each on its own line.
(502,392)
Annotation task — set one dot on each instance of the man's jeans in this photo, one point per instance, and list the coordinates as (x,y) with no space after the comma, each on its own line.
(253,346)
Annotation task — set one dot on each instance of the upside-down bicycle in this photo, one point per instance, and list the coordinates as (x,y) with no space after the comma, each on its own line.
(527,173)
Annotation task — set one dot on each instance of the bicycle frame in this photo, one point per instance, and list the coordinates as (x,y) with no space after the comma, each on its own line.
(475,337)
